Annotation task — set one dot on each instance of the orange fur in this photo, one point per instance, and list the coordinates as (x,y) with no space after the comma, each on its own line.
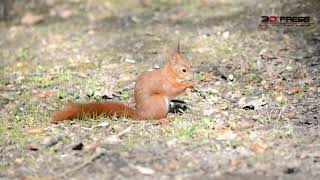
(73,111)
(152,92)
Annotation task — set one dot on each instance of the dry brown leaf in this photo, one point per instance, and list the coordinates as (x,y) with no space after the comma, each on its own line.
(258,148)
(31,19)
(290,115)
(279,87)
(65,13)
(300,75)
(56,38)
(90,147)
(35,130)
(312,90)
(233,162)
(243,125)
(294,90)
(45,94)
(209,76)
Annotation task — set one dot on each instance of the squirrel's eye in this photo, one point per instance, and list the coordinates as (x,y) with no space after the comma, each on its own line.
(184,70)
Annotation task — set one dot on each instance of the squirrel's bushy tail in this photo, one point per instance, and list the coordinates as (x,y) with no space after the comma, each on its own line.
(74,111)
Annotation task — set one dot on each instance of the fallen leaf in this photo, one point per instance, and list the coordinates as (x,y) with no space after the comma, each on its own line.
(56,38)
(243,125)
(45,94)
(312,90)
(294,90)
(35,130)
(31,19)
(258,147)
(300,75)
(279,87)
(290,115)
(65,13)
(209,76)
(233,162)
(90,147)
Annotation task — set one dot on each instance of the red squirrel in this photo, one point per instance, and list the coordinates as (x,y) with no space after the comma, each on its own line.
(152,92)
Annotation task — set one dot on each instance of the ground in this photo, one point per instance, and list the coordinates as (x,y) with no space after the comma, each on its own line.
(253,114)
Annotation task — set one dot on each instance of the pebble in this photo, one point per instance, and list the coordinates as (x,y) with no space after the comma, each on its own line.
(128,60)
(104,124)
(156,66)
(225,34)
(231,77)
(208,112)
(51,140)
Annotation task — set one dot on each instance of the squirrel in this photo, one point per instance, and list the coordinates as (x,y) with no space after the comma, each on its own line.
(152,92)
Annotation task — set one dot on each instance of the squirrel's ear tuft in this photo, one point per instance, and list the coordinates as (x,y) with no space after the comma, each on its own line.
(173,53)
(178,47)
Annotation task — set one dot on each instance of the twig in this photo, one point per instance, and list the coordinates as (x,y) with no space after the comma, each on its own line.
(279,116)
(114,139)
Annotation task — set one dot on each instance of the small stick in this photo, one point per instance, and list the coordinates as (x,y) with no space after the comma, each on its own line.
(279,116)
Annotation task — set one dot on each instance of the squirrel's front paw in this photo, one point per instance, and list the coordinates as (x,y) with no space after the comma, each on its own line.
(189,84)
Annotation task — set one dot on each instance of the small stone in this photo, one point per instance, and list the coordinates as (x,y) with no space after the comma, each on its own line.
(51,141)
(18,161)
(143,170)
(291,67)
(129,60)
(225,34)
(208,112)
(231,77)
(255,117)
(104,124)
(156,66)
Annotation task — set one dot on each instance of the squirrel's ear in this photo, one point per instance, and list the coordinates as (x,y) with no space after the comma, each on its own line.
(173,53)
(173,59)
